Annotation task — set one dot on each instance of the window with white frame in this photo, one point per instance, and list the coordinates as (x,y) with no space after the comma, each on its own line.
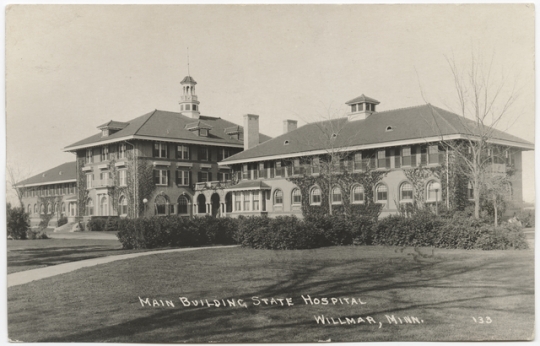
(105,153)
(122,177)
(204,176)
(89,157)
(296,196)
(89,207)
(357,161)
(161,176)
(183,203)
(406,156)
(161,203)
(432,193)
(237,201)
(182,152)
(203,132)
(122,204)
(382,193)
(358,194)
(406,192)
(182,178)
(160,150)
(255,200)
(315,196)
(247,200)
(89,178)
(336,195)
(278,197)
(122,150)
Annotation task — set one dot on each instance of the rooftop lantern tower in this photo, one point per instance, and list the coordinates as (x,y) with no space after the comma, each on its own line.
(361,107)
(189,105)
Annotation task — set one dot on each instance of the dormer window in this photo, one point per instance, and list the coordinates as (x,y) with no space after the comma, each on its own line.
(104,132)
(203,132)
(353,108)
(360,107)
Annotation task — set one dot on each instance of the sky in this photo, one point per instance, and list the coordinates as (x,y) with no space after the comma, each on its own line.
(71,68)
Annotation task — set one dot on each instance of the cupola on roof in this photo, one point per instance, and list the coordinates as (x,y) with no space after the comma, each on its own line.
(188,79)
(362,99)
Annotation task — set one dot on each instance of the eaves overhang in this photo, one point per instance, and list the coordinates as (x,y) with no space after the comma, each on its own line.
(150,138)
(519,145)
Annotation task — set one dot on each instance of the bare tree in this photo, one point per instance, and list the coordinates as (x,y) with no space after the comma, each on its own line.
(15,175)
(483,99)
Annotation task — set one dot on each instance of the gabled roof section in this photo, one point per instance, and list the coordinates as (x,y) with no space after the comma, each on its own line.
(113,125)
(165,126)
(66,172)
(198,125)
(362,98)
(409,125)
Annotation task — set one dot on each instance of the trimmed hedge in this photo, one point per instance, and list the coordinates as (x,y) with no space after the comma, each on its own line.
(173,231)
(458,232)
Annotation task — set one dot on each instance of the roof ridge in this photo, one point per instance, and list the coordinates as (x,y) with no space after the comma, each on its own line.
(442,117)
(151,115)
(402,108)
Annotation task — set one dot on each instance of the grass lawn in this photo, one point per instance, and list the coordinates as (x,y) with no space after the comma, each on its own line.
(101,304)
(30,254)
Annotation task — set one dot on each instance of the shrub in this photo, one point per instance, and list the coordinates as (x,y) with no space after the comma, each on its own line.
(173,231)
(62,221)
(36,234)
(96,224)
(18,222)
(506,236)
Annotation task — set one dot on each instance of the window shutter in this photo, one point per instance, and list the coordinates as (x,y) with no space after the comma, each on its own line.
(156,177)
(155,151)
(199,177)
(168,178)
(220,176)
(209,176)
(189,178)
(178,177)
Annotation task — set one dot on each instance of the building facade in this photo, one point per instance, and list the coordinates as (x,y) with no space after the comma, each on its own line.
(188,164)
(391,159)
(161,163)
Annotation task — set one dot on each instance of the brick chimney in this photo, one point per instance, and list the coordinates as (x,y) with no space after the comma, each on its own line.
(289,125)
(251,131)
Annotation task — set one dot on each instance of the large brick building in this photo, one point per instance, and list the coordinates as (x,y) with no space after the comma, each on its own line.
(187,164)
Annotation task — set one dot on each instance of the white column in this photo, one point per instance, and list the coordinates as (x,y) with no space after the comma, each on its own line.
(242,201)
(260,200)
(209,208)
(194,209)
(233,201)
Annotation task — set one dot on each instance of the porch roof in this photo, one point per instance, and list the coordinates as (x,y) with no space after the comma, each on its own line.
(249,185)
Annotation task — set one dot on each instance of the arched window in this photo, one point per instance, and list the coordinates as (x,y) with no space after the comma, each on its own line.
(382,193)
(104,206)
(358,194)
(49,208)
(278,197)
(89,207)
(406,192)
(336,195)
(296,196)
(161,203)
(432,193)
(183,203)
(42,209)
(470,191)
(315,196)
(122,205)
(35,209)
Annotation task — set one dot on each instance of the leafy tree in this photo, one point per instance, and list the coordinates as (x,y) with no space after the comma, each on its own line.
(18,222)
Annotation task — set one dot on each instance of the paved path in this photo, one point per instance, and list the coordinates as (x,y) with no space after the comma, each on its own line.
(82,235)
(21,278)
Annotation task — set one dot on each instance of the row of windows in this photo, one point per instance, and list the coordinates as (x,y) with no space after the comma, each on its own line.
(161,150)
(50,190)
(188,107)
(358,195)
(51,208)
(185,152)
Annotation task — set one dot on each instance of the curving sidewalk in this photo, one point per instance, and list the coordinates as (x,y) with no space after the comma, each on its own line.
(24,277)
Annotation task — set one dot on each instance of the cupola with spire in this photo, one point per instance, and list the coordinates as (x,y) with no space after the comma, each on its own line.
(361,107)
(189,105)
